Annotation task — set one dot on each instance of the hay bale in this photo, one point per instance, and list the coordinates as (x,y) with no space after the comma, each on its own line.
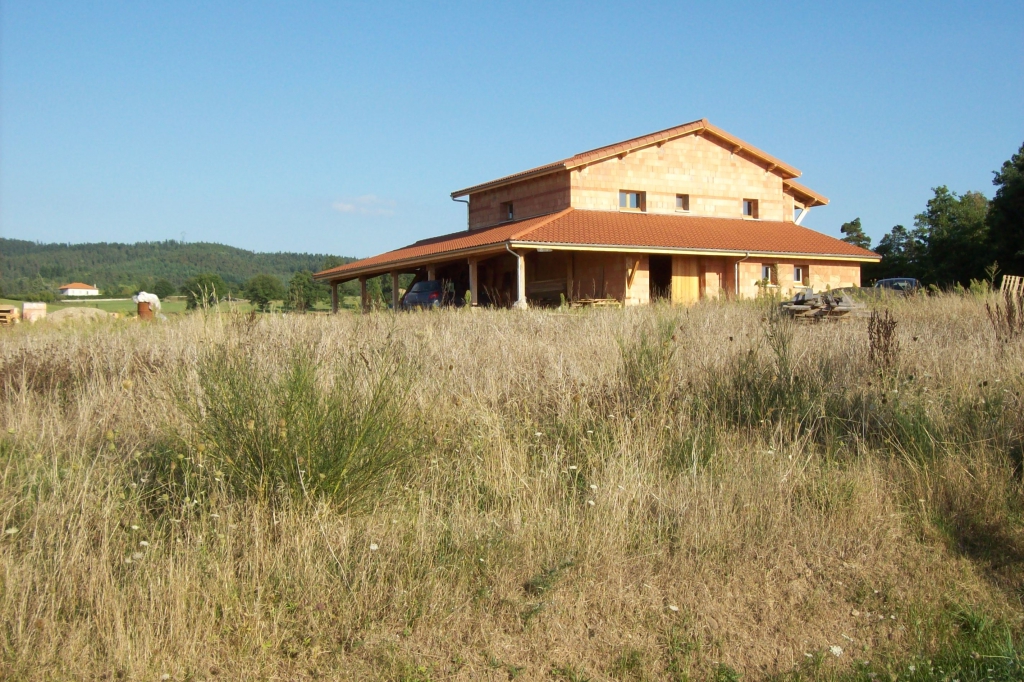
(78,315)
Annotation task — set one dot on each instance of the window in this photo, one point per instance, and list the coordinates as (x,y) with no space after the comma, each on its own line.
(750,208)
(682,202)
(766,273)
(506,211)
(632,201)
(798,274)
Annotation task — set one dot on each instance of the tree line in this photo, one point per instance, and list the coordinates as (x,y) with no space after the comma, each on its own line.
(958,238)
(35,271)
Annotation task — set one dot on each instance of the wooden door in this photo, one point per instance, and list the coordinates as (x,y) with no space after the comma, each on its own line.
(685,280)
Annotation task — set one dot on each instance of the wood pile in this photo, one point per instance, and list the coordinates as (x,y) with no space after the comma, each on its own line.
(825,305)
(595,302)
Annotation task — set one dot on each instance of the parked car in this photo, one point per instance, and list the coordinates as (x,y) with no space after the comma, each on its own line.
(899,285)
(432,293)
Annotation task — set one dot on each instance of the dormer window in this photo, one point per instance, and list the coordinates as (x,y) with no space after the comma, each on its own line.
(632,201)
(750,208)
(506,211)
(682,202)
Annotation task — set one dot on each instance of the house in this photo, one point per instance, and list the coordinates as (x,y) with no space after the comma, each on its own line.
(684,214)
(78,289)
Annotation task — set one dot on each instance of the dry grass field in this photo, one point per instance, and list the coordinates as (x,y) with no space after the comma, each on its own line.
(641,494)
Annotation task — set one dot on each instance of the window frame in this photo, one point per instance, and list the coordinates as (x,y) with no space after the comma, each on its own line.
(800,269)
(752,203)
(641,200)
(683,203)
(507,211)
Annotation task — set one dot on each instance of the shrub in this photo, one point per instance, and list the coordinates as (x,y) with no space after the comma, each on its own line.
(291,432)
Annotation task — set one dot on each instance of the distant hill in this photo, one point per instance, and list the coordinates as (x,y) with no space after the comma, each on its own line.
(29,266)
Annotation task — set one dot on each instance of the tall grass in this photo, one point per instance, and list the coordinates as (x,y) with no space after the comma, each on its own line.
(283,429)
(657,493)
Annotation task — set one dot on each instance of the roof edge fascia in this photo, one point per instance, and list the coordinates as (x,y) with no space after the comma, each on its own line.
(688,252)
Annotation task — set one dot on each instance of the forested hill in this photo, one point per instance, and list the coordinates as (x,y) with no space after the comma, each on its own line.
(23,264)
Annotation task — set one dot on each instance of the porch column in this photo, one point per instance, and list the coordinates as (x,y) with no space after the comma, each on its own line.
(474,283)
(394,290)
(520,280)
(334,297)
(364,303)
(568,277)
(431,272)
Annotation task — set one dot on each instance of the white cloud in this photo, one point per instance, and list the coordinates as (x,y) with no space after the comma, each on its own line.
(368,204)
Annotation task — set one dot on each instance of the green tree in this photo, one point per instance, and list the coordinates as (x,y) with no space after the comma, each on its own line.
(955,235)
(902,252)
(304,292)
(855,234)
(206,287)
(1006,215)
(163,288)
(261,290)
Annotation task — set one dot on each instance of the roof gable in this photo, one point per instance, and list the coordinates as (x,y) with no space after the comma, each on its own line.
(701,127)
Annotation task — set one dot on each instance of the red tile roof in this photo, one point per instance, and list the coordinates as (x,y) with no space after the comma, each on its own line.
(699,233)
(588,157)
(77,285)
(611,229)
(447,243)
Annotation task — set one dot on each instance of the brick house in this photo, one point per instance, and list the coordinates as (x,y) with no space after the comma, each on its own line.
(687,213)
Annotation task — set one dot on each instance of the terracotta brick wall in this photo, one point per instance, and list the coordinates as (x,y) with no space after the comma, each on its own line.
(640,291)
(819,275)
(538,196)
(716,179)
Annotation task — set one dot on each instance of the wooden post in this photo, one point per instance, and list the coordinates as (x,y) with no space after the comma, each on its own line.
(568,276)
(364,304)
(394,290)
(520,280)
(334,297)
(474,282)
(431,272)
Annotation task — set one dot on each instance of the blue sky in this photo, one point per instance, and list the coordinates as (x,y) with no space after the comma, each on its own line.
(327,127)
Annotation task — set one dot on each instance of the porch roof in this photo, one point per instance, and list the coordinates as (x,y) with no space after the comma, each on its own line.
(615,231)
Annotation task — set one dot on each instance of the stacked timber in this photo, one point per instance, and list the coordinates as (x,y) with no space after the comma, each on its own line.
(824,305)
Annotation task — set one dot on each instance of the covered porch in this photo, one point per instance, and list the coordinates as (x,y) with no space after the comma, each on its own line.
(547,277)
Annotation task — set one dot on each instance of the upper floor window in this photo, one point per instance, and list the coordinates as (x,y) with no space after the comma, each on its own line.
(682,202)
(750,208)
(632,201)
(507,213)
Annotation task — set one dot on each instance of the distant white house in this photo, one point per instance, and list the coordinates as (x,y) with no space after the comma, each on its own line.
(78,289)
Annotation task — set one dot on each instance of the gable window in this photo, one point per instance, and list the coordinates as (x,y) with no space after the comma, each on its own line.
(750,208)
(507,213)
(682,202)
(798,274)
(632,201)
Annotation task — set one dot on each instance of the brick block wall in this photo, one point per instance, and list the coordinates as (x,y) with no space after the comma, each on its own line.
(716,179)
(533,197)
(640,291)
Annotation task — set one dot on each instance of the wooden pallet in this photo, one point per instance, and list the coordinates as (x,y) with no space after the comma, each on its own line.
(8,315)
(1012,285)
